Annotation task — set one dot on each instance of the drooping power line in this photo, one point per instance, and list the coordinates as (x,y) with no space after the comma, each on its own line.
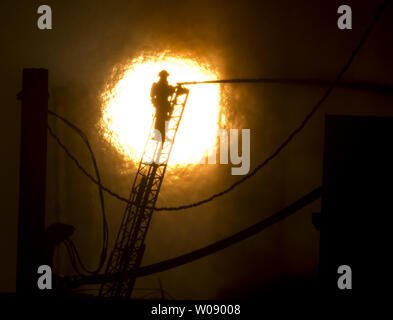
(105,231)
(205,251)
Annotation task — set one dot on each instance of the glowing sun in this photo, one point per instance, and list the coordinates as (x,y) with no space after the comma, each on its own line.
(127,112)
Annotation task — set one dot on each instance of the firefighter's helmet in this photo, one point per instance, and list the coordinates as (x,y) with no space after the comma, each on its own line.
(163,74)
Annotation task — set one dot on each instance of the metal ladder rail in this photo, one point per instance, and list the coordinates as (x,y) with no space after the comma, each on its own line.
(123,259)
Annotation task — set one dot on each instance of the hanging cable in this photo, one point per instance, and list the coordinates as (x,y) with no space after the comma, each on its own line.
(105,230)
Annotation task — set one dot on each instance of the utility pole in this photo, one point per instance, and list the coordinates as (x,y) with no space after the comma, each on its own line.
(32,179)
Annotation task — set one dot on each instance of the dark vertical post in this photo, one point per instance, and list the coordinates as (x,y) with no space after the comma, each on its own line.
(32,179)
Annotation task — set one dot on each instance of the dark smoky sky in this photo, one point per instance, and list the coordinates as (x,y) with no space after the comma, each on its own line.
(298,39)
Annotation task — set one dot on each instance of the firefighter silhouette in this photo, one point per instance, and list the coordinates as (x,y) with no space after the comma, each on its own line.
(161,93)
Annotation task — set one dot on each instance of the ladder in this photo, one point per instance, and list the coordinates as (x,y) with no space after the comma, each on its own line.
(130,242)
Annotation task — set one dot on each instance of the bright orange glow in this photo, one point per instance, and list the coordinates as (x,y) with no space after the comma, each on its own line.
(127,112)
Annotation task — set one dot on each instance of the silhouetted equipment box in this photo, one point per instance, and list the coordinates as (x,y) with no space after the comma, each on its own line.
(357,204)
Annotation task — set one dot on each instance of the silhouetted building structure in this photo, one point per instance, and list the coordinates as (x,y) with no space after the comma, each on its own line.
(356,203)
